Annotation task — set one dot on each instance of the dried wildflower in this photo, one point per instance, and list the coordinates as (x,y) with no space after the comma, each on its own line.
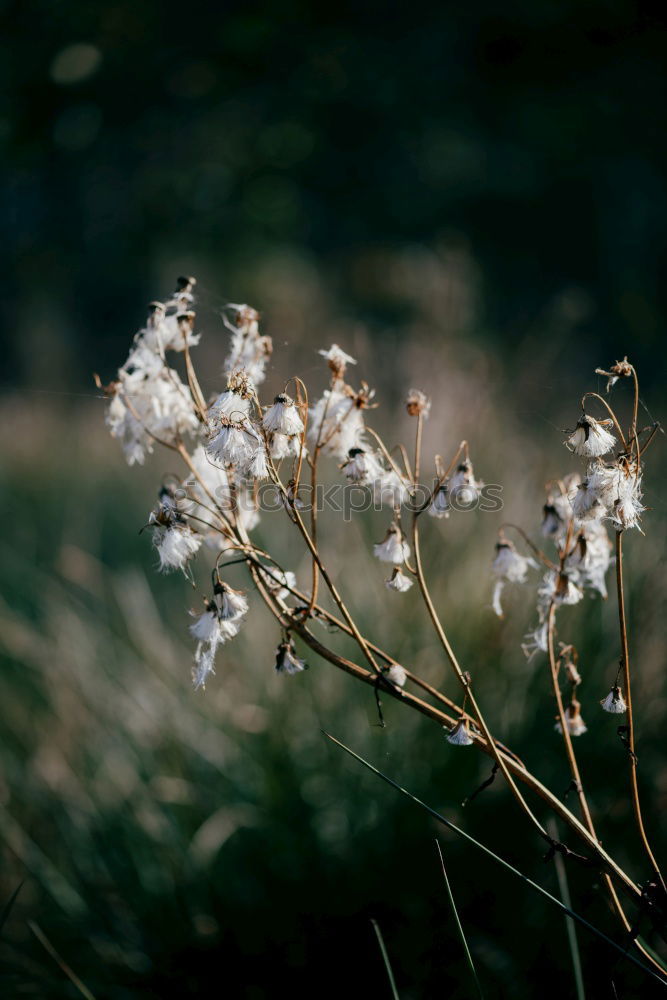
(508,566)
(588,563)
(463,487)
(249,350)
(439,505)
(362,467)
(397,675)
(235,443)
(585,500)
(173,538)
(535,642)
(336,422)
(278,581)
(575,724)
(390,489)
(398,581)
(287,662)
(211,631)
(231,604)
(557,507)
(618,488)
(283,417)
(257,467)
(147,401)
(338,360)
(417,403)
(234,402)
(572,674)
(614,702)
(591,438)
(459,735)
(622,369)
(393,548)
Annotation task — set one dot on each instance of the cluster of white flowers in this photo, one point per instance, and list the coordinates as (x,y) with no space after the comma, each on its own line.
(575,514)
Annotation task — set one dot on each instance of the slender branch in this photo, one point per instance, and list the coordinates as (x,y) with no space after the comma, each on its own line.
(630,729)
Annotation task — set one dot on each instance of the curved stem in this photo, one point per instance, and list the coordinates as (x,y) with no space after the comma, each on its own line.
(460,675)
(630,728)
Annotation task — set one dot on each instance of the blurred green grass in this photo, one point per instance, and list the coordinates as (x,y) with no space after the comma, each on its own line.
(167,838)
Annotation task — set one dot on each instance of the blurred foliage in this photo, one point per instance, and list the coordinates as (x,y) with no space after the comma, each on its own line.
(469,199)
(146,139)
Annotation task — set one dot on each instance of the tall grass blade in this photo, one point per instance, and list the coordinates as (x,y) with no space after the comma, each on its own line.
(501,861)
(385,959)
(564,890)
(71,975)
(9,906)
(459,925)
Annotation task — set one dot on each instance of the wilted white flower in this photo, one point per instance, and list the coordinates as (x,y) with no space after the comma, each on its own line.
(281,446)
(174,540)
(614,702)
(535,641)
(591,438)
(508,565)
(390,489)
(338,360)
(619,491)
(212,632)
(234,444)
(585,500)
(287,662)
(249,350)
(417,402)
(283,417)
(362,467)
(257,467)
(575,724)
(278,581)
(398,581)
(336,422)
(463,487)
(459,735)
(229,404)
(587,565)
(397,675)
(559,588)
(439,505)
(231,604)
(557,509)
(147,400)
(393,548)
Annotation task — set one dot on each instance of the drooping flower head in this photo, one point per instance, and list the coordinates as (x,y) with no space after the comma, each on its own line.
(591,438)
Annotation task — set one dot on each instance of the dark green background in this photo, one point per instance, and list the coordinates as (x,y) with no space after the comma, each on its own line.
(343,144)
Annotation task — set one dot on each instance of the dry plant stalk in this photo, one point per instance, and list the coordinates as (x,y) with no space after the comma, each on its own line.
(232,446)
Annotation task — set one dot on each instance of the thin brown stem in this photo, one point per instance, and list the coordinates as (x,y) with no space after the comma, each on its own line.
(630,728)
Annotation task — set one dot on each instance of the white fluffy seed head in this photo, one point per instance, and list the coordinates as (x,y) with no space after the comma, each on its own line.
(393,548)
(590,438)
(459,735)
(283,417)
(614,702)
(397,675)
(175,545)
(398,581)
